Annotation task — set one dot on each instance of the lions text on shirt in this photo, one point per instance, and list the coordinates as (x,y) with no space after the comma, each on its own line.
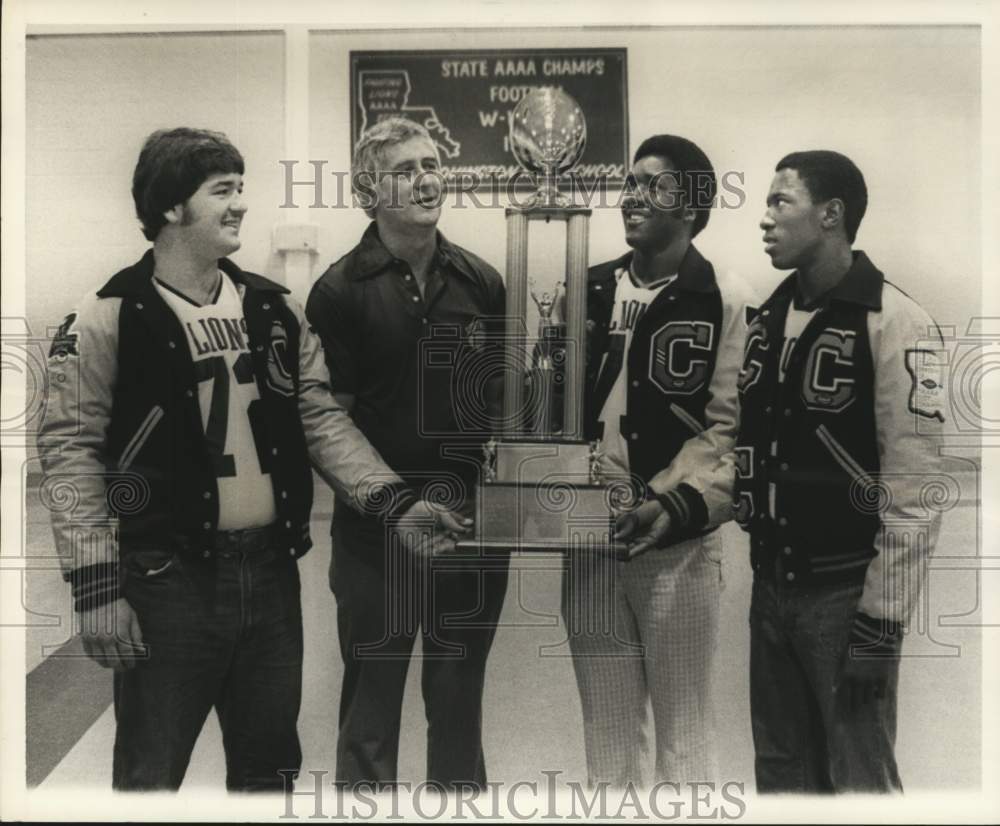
(227,392)
(795,323)
(631,301)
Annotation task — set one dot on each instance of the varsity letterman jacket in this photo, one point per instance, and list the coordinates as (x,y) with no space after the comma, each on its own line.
(682,365)
(846,447)
(126,456)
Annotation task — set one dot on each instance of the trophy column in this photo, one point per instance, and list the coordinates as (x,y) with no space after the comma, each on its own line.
(577,231)
(517,309)
(577,236)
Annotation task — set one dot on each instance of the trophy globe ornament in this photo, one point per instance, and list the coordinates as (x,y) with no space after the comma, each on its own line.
(548,134)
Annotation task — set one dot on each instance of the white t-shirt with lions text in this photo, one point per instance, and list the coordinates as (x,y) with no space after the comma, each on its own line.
(227,392)
(631,301)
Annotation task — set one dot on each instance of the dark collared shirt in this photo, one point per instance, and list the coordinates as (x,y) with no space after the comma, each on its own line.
(406,358)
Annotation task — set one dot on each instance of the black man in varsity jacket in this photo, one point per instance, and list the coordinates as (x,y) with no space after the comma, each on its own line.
(665,340)
(842,402)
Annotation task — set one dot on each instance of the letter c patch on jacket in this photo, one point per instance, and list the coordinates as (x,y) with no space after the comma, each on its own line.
(828,380)
(679,354)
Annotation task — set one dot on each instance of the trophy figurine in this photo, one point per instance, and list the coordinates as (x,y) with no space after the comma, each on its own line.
(545,304)
(549,355)
(542,488)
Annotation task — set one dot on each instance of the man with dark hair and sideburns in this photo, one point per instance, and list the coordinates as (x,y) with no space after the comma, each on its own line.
(842,402)
(186,400)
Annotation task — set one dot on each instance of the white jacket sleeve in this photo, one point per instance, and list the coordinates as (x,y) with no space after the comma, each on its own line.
(910,406)
(72,441)
(705,462)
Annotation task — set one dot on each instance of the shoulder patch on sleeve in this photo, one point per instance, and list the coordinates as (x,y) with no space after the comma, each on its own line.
(65,342)
(926,369)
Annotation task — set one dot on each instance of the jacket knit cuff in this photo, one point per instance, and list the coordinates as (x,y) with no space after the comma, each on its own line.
(94,585)
(685,507)
(391,501)
(874,637)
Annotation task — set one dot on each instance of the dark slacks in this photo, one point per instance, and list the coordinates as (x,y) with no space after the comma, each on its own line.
(806,740)
(226,635)
(385,597)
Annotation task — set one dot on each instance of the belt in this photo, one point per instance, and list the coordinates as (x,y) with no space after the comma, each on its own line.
(225,543)
(245,539)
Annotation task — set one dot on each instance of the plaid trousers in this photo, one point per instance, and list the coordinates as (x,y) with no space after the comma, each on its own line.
(644,632)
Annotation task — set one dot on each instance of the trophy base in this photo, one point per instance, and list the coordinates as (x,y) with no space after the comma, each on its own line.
(476,547)
(543,499)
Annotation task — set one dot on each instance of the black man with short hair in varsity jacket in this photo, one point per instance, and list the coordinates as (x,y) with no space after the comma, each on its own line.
(842,403)
(665,339)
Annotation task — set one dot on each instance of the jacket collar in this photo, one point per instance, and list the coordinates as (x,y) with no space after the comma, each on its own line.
(372,257)
(695,274)
(861,284)
(135,280)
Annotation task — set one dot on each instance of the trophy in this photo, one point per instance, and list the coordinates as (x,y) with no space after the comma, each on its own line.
(541,487)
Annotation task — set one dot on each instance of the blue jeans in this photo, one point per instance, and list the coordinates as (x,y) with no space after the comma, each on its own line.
(804,738)
(225,633)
